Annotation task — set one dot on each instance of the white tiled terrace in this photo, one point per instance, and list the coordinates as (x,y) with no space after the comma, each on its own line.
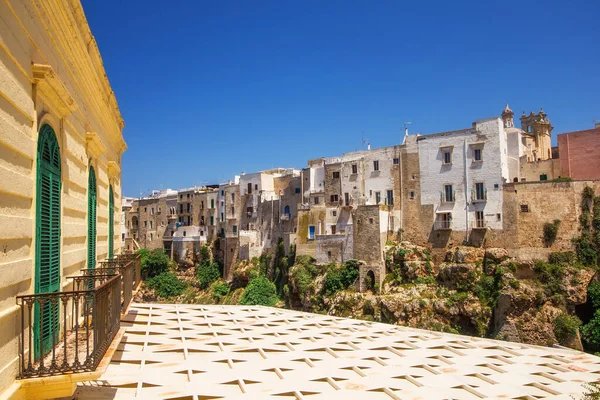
(176,351)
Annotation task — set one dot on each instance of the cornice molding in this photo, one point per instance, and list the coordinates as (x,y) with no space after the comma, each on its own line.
(51,88)
(94,145)
(114,171)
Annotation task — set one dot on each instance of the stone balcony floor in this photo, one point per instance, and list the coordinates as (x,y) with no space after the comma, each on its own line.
(176,351)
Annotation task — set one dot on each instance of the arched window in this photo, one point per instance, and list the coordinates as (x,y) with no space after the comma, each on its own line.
(286,211)
(47,244)
(91,256)
(111,221)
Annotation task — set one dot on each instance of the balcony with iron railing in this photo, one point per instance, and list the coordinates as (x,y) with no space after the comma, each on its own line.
(479,224)
(70,332)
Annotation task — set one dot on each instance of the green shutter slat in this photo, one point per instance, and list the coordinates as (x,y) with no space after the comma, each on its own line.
(111,215)
(92,219)
(47,252)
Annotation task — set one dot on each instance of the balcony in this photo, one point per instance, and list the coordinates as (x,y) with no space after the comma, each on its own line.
(79,325)
(478,196)
(479,224)
(443,225)
(285,217)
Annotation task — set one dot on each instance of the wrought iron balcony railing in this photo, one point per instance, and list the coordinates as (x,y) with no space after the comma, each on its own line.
(70,331)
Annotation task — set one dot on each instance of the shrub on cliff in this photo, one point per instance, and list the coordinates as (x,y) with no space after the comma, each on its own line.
(166,285)
(303,274)
(340,278)
(154,263)
(260,291)
(219,290)
(207,273)
(566,327)
(590,333)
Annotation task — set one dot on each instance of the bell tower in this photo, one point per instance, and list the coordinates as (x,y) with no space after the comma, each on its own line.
(508,117)
(537,130)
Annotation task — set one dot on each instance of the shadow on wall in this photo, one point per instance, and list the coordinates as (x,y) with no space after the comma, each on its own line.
(439,238)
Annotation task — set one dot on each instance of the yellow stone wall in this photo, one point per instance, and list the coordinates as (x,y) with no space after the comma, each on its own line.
(50,73)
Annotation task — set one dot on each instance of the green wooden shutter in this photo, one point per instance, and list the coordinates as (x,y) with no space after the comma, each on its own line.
(111,220)
(91,261)
(47,249)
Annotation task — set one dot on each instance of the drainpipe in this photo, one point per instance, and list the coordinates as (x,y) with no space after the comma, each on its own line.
(401,179)
(466,174)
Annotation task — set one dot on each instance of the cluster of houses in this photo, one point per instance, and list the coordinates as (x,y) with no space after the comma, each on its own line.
(436,190)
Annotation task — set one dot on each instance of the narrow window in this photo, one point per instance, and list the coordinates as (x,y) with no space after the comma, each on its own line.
(316,200)
(396,161)
(334,198)
(212,203)
(371,220)
(150,224)
(311,231)
(347,198)
(111,222)
(145,224)
(447,157)
(480,194)
(334,213)
(234,228)
(151,236)
(354,169)
(212,220)
(477,155)
(222,217)
(232,197)
(336,175)
(297,190)
(202,205)
(448,194)
(250,188)
(377,197)
(390,197)
(376,165)
(412,194)
(256,186)
(543,177)
(524,208)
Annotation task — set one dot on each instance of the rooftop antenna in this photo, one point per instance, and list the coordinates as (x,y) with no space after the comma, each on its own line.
(365,141)
(406,124)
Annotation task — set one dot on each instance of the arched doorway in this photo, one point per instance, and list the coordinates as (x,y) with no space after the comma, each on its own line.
(370,280)
(47,248)
(91,256)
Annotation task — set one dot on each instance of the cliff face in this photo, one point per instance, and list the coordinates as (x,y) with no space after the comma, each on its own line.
(470,291)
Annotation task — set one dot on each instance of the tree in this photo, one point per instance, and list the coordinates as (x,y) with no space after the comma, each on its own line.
(260,291)
(155,263)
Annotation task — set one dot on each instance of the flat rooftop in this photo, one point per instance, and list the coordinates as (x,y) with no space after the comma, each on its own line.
(176,351)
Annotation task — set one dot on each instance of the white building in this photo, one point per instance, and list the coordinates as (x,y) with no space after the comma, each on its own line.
(462,173)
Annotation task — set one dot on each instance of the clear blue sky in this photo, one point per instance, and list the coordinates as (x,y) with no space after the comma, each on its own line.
(210,89)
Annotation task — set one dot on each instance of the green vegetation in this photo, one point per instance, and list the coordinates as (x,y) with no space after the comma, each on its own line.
(341,278)
(562,179)
(219,290)
(592,391)
(303,275)
(563,258)
(593,294)
(551,276)
(207,273)
(590,333)
(427,280)
(566,327)
(260,291)
(166,285)
(587,245)
(154,262)
(551,232)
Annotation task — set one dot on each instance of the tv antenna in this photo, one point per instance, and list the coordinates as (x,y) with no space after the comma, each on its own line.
(365,141)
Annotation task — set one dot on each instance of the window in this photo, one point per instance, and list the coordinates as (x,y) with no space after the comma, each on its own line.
(354,169)
(159,210)
(543,177)
(162,223)
(329,254)
(316,200)
(447,156)
(152,211)
(145,224)
(396,161)
(188,195)
(390,197)
(222,217)
(92,219)
(334,213)
(297,190)
(333,229)
(256,186)
(480,192)
(286,211)
(336,175)
(411,194)
(448,196)
(202,205)
(524,208)
(184,233)
(212,203)
(232,197)
(334,198)
(347,198)
(47,264)
(188,207)
(150,224)
(479,220)
(212,220)
(181,208)
(498,217)
(496,186)
(222,192)
(376,165)
(202,220)
(145,209)
(201,233)
(443,221)
(180,196)
(477,154)
(377,197)
(232,211)
(234,229)
(371,220)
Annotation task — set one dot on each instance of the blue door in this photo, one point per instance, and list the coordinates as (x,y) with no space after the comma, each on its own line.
(311,232)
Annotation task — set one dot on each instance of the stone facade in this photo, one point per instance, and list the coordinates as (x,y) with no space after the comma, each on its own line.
(52,79)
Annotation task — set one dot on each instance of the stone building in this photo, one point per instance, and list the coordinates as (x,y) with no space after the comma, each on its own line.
(61,145)
(579,153)
(462,173)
